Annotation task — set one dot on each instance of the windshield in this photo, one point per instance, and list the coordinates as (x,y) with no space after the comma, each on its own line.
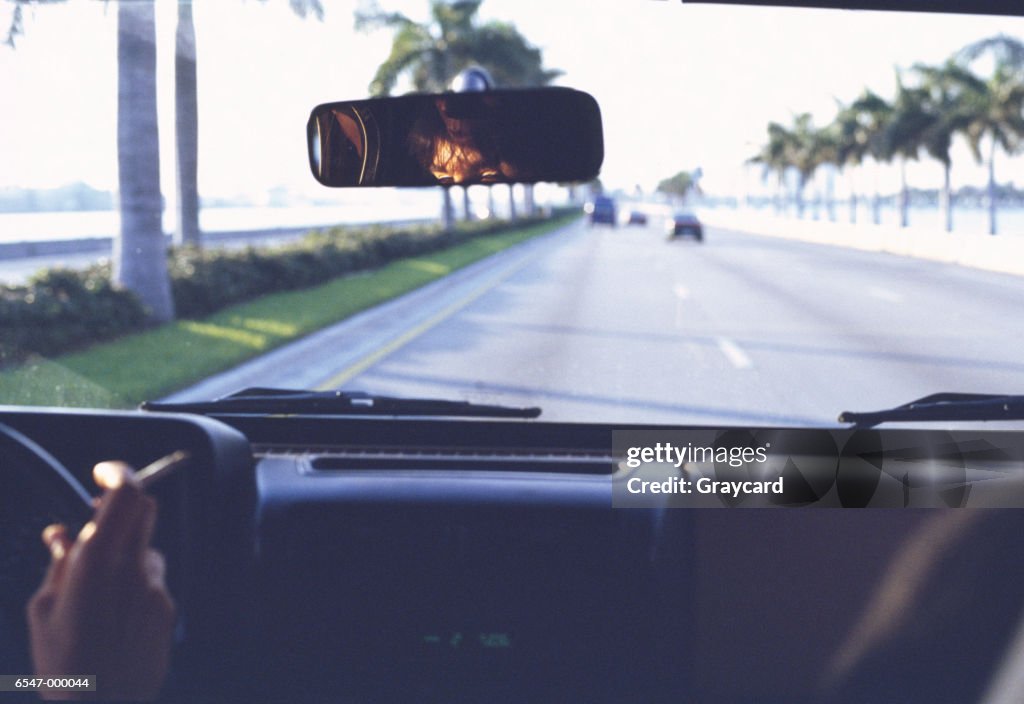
(800,212)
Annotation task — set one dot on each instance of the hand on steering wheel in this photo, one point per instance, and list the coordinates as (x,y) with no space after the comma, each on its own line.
(103,608)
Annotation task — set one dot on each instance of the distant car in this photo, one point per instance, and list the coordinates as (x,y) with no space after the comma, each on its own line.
(685,225)
(637,217)
(601,210)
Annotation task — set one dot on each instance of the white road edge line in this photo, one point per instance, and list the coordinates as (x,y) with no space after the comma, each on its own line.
(734,354)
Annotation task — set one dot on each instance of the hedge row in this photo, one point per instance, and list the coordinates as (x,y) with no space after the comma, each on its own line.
(60,310)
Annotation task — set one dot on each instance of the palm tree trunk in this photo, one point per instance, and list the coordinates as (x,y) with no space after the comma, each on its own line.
(830,194)
(992,188)
(904,195)
(186,129)
(945,201)
(800,197)
(467,207)
(511,201)
(528,199)
(876,200)
(447,209)
(490,202)
(140,253)
(815,181)
(853,198)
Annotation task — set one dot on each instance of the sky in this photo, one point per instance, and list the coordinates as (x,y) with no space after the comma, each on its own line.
(680,86)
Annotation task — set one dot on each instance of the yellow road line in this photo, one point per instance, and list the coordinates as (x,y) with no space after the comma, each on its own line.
(408,336)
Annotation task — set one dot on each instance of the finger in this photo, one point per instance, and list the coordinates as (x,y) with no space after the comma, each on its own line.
(137,530)
(112,475)
(105,544)
(58,542)
(122,510)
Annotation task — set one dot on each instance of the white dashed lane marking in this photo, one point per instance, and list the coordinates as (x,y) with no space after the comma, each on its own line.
(734,353)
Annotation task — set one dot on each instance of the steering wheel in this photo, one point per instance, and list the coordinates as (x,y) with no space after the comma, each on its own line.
(35,491)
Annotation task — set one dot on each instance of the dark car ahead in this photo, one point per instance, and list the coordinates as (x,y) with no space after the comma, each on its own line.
(637,217)
(602,211)
(685,224)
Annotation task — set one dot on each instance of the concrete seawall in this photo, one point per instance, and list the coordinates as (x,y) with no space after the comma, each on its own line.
(1002,253)
(104,245)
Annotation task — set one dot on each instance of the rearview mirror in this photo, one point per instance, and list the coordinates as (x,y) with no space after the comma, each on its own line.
(498,136)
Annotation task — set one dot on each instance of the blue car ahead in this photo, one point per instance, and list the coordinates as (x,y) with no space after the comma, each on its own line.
(601,210)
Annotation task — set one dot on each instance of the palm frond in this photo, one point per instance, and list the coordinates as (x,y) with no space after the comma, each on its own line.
(454,18)
(16,27)
(411,43)
(1005,49)
(370,17)
(304,8)
(432,54)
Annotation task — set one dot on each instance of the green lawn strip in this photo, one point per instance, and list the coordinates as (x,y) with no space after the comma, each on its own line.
(151,364)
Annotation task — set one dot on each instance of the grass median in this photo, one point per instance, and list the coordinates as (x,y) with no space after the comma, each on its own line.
(151,364)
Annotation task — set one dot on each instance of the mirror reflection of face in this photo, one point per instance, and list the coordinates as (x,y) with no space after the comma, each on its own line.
(456,162)
(463,149)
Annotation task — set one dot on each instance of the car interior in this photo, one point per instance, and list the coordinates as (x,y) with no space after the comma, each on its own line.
(338,549)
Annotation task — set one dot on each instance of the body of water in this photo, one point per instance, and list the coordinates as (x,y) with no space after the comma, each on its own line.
(21,227)
(361,206)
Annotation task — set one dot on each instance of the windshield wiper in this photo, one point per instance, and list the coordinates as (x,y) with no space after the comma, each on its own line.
(944,407)
(262,401)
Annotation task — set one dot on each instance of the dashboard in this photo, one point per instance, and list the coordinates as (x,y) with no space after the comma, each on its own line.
(379,557)
(382,559)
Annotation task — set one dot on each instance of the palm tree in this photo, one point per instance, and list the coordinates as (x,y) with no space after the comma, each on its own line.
(805,150)
(140,263)
(873,115)
(851,146)
(904,133)
(186,119)
(774,158)
(825,152)
(139,260)
(677,187)
(186,130)
(432,54)
(994,106)
(943,101)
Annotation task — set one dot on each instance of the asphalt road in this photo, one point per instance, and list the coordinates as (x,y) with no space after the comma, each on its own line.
(621,325)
